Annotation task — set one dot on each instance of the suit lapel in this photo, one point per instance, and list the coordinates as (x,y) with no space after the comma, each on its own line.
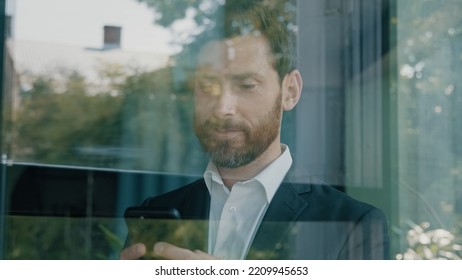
(196,203)
(282,212)
(195,208)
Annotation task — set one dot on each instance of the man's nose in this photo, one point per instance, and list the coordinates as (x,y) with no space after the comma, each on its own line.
(226,102)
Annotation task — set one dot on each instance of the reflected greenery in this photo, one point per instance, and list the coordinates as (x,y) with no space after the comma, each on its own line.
(183,233)
(129,118)
(135,121)
(56,238)
(429,97)
(205,13)
(66,238)
(425,243)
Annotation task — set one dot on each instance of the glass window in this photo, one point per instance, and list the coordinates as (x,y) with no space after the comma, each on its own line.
(100,99)
(428,95)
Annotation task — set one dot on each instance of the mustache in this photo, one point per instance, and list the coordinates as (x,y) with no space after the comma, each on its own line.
(224,124)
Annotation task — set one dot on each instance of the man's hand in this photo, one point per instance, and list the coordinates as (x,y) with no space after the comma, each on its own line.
(172,252)
(133,252)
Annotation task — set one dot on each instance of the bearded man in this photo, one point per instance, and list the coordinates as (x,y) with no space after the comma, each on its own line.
(244,82)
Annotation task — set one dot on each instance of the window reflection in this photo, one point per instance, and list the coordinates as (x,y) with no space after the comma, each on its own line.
(379,117)
(108,102)
(429,128)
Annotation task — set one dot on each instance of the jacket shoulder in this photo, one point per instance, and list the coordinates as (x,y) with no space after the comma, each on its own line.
(328,203)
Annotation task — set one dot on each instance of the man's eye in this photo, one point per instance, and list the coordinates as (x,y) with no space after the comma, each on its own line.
(205,85)
(209,87)
(247,86)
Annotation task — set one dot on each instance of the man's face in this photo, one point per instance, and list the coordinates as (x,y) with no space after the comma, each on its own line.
(238,100)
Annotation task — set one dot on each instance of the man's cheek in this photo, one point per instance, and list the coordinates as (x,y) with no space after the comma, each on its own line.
(203,112)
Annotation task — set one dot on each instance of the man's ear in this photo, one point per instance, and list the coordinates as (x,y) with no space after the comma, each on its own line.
(291,90)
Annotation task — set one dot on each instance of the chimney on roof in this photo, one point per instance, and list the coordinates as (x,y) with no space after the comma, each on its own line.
(112,36)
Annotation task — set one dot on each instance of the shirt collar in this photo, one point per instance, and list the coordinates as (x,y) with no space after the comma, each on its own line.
(270,177)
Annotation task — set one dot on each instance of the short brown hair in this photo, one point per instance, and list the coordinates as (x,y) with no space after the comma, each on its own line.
(244,17)
(261,18)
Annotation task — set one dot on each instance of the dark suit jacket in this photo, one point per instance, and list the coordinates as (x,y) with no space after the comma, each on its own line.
(303,221)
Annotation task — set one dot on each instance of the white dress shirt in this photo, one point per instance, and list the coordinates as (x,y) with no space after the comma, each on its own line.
(236,215)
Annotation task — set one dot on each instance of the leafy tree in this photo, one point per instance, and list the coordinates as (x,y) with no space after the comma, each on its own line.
(58,115)
(430,119)
(204,12)
(158,119)
(135,121)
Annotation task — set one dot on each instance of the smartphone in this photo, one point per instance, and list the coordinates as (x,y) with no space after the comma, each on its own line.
(149,225)
(145,212)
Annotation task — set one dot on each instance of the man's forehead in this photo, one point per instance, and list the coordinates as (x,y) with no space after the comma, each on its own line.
(217,53)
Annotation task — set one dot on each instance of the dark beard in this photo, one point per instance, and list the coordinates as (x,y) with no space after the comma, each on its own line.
(224,153)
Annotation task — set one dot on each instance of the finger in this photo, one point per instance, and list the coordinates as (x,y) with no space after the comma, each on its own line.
(172,252)
(204,256)
(133,252)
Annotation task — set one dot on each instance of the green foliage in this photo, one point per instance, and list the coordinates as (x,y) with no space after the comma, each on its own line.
(50,124)
(430,120)
(157,119)
(130,121)
(61,238)
(206,15)
(169,11)
(113,242)
(183,233)
(425,243)
(204,11)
